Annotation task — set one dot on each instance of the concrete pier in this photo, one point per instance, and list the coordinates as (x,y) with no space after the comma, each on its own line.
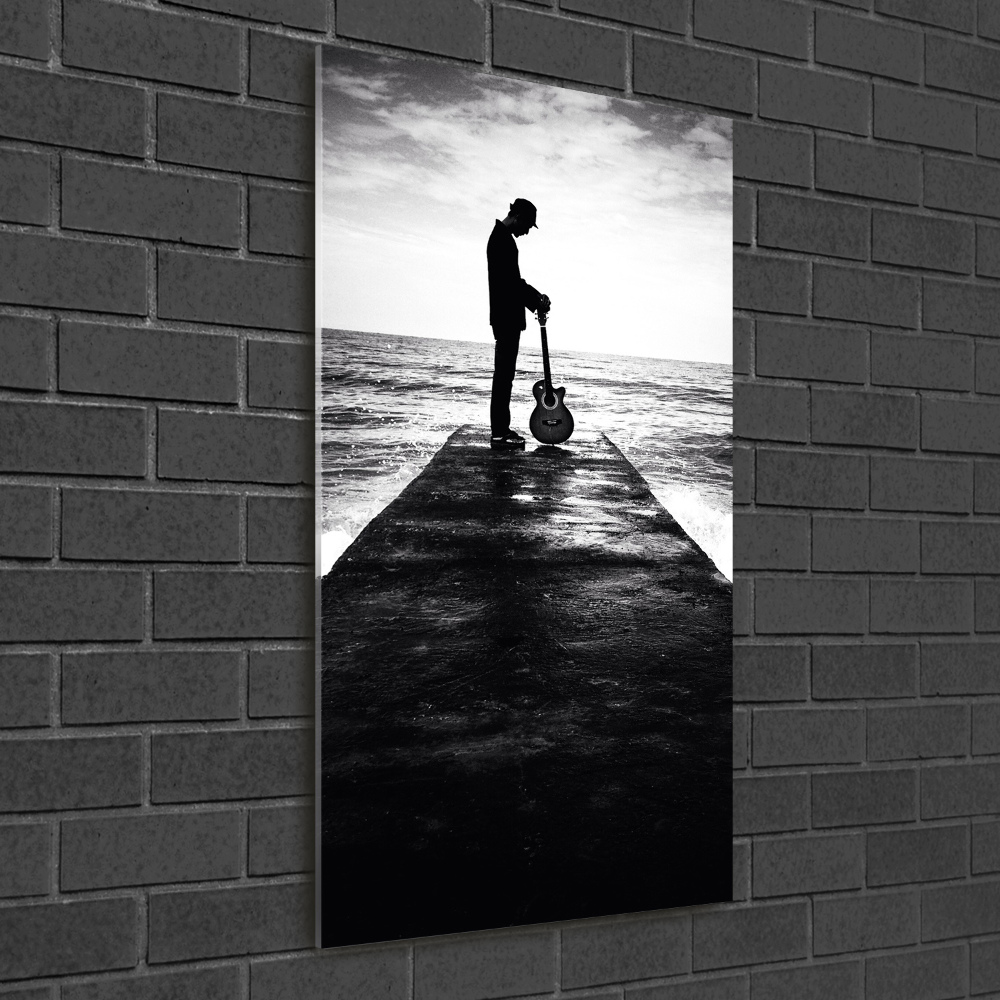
(526,700)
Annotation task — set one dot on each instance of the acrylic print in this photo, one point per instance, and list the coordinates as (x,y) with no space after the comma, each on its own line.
(525,469)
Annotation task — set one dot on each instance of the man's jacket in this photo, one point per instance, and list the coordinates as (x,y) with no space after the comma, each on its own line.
(510,294)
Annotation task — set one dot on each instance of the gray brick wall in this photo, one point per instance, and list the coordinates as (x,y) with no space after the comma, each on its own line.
(156,299)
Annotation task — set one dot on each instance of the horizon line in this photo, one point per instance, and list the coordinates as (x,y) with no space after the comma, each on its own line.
(465,340)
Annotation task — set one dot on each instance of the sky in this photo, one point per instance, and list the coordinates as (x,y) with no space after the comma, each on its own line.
(634,199)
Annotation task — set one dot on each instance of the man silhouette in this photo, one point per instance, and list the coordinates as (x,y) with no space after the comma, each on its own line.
(510,294)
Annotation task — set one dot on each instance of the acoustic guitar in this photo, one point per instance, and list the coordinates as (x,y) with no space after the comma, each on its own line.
(550,421)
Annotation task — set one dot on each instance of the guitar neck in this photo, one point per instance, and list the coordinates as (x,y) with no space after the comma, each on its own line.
(545,361)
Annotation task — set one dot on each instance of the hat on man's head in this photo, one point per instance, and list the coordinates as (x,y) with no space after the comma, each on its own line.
(525,210)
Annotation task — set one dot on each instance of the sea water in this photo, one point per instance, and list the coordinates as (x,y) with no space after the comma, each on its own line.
(390,402)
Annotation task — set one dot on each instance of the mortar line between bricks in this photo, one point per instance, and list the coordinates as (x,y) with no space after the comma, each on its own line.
(559,13)
(629,62)
(78,236)
(244,50)
(243,372)
(830,71)
(116,976)
(153,565)
(913,948)
(55,694)
(243,967)
(868,142)
(811,38)
(54,59)
(558,959)
(959,96)
(795,641)
(386,49)
(84,895)
(152,440)
(152,282)
(244,238)
(876,268)
(212,885)
(139,892)
(56,515)
(179,486)
(193,727)
(179,727)
(244,688)
(603,91)
(284,32)
(652,982)
(55,842)
(244,844)
(158,87)
(280,184)
(54,227)
(170,88)
(167,167)
(149,125)
(173,646)
(148,609)
(881,143)
(163,888)
(146,789)
(243,543)
(135,322)
(206,16)
(243,410)
(228,807)
(26,62)
(142,933)
(901,20)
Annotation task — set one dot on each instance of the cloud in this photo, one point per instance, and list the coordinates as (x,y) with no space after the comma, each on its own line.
(504,128)
(417,151)
(369,88)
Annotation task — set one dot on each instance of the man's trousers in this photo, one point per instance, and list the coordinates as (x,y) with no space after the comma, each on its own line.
(504,363)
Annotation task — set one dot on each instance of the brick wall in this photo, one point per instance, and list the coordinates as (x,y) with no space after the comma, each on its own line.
(156,588)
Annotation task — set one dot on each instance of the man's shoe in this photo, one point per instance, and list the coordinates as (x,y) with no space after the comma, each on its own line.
(507,441)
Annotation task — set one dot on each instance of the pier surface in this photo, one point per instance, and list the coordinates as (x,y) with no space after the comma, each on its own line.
(526,701)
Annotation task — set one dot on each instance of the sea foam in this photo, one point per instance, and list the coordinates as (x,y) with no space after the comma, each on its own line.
(389,403)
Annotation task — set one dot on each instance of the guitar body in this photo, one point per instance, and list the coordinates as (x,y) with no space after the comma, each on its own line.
(550,424)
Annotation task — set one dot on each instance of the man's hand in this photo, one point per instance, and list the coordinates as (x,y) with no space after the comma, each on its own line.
(546,303)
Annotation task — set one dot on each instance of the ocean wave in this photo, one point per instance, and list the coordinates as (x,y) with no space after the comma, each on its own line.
(359,418)
(387,409)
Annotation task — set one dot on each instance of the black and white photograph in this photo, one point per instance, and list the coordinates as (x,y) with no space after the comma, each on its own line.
(524,501)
